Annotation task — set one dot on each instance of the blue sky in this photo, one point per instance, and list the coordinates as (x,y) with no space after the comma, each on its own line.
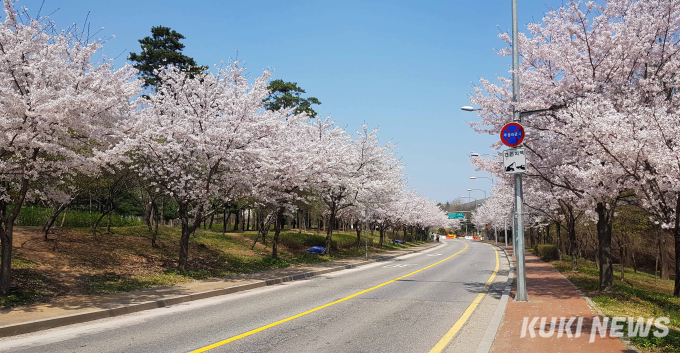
(403,66)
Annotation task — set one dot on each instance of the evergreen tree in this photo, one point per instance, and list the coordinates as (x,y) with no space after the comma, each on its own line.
(161,49)
(287,95)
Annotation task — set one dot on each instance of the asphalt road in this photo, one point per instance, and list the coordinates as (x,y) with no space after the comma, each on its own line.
(410,314)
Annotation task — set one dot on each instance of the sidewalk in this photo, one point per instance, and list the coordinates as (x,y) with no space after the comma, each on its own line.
(77,309)
(550,295)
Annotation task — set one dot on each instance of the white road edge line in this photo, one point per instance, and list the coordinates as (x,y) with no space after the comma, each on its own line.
(495,323)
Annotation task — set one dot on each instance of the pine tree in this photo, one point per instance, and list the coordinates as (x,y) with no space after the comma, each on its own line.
(161,49)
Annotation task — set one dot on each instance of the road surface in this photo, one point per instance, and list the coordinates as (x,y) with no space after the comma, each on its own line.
(404,305)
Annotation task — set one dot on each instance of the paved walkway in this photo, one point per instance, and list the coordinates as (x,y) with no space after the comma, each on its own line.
(121,303)
(550,295)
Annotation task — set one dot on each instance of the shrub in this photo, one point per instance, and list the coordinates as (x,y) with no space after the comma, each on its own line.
(566,258)
(547,252)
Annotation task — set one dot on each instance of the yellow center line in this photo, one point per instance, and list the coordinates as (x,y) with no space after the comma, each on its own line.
(466,315)
(260,329)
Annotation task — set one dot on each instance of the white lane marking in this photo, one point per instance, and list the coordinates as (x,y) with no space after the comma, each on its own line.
(434,254)
(399,265)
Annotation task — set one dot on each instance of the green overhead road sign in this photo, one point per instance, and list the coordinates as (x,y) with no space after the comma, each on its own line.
(456,215)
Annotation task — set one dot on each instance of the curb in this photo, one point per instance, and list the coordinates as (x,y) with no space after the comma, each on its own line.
(45,324)
(626,341)
(495,323)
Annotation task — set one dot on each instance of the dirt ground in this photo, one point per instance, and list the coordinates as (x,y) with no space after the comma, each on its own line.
(74,262)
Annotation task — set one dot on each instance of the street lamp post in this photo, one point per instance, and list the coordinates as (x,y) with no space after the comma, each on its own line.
(483,177)
(521,295)
(466,222)
(517,115)
(469,190)
(484,191)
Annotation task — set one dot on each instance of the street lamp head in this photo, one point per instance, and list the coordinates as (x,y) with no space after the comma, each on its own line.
(474,154)
(473,177)
(469,190)
(467,108)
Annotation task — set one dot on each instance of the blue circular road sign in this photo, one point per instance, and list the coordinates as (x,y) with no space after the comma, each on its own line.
(512,134)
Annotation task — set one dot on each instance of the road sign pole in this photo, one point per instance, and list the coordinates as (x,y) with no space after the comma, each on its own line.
(522,295)
(514,232)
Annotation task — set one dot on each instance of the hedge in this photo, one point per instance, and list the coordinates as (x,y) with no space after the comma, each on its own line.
(547,252)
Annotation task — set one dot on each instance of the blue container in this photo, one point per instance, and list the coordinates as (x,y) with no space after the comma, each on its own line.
(316,250)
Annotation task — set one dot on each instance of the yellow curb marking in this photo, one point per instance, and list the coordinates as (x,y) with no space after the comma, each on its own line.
(466,315)
(260,329)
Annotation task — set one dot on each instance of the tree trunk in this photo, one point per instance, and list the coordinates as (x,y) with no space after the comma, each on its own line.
(297,221)
(147,208)
(573,246)
(604,237)
(187,230)
(108,223)
(277,231)
(212,219)
(99,220)
(157,220)
(622,257)
(357,228)
(236,220)
(63,218)
(224,221)
(184,245)
(6,265)
(53,218)
(6,233)
(676,236)
(663,260)
(329,230)
(559,240)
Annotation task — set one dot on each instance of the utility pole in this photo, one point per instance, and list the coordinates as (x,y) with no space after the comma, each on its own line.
(521,295)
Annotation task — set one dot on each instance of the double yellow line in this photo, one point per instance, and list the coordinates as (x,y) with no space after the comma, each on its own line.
(260,329)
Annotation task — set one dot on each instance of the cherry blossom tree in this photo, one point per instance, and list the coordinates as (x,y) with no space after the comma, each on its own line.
(59,114)
(198,139)
(287,168)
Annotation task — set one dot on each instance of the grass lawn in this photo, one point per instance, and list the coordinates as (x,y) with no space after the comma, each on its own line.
(74,262)
(638,295)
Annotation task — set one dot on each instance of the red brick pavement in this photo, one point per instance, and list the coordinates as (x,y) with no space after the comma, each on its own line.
(550,295)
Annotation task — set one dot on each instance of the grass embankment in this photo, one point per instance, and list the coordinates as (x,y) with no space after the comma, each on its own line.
(75,263)
(638,295)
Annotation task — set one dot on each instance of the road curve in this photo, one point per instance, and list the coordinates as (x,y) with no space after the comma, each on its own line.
(383,307)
